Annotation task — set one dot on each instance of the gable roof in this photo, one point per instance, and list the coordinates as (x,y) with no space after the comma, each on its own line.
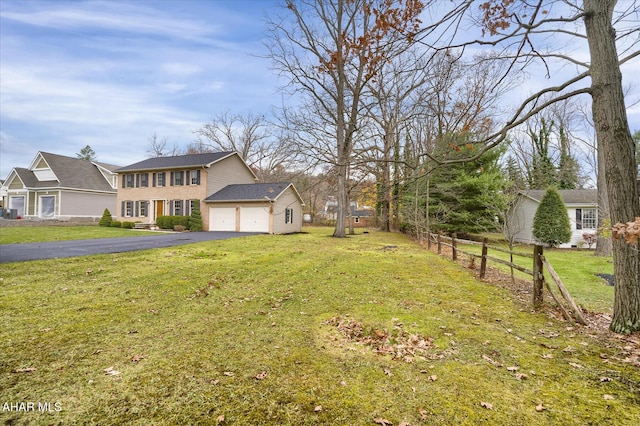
(251,192)
(72,173)
(569,196)
(177,162)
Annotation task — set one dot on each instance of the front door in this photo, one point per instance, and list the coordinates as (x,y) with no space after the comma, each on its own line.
(159,209)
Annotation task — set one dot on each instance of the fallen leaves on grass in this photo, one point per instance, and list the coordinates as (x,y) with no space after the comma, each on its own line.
(406,346)
(381,421)
(318,408)
(486,405)
(540,407)
(261,376)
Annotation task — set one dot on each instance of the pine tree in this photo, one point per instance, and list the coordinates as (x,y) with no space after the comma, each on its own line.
(87,153)
(106,218)
(551,222)
(195,219)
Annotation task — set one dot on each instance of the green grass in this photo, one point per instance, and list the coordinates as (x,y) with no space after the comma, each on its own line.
(239,328)
(576,268)
(33,234)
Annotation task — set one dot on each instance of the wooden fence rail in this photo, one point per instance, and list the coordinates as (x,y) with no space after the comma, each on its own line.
(537,272)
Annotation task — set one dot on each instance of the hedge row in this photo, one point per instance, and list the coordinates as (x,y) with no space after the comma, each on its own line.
(170,222)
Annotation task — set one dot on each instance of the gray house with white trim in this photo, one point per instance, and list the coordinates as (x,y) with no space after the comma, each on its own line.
(59,187)
(582,208)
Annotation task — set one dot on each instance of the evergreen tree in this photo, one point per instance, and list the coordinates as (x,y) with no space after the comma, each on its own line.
(551,222)
(106,218)
(514,174)
(463,197)
(543,174)
(87,153)
(568,168)
(195,219)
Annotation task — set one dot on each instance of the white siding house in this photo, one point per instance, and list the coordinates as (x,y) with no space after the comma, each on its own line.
(582,208)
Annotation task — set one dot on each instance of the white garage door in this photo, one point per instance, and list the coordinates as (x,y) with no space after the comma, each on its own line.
(254,219)
(222,218)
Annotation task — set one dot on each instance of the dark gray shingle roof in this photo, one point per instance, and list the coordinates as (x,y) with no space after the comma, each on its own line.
(569,196)
(175,162)
(249,192)
(70,172)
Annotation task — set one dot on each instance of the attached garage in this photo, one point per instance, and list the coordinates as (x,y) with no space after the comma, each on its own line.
(254,219)
(222,218)
(273,208)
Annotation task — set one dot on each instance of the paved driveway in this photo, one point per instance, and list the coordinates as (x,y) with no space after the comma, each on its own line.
(72,248)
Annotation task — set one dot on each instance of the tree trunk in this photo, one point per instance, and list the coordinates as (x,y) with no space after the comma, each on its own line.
(604,245)
(385,202)
(615,141)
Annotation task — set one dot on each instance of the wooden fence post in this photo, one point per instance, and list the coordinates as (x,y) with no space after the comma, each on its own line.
(538,277)
(454,254)
(483,260)
(429,240)
(439,244)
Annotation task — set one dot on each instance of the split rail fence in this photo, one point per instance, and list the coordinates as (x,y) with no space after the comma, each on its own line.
(538,262)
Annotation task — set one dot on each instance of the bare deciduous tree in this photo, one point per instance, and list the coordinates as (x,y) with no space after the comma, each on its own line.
(518,28)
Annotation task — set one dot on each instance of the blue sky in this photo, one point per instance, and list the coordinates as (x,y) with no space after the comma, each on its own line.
(111,73)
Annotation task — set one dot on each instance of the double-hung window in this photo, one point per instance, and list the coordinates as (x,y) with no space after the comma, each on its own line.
(194,177)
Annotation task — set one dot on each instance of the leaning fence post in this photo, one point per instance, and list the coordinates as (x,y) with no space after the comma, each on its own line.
(439,244)
(453,247)
(538,277)
(483,260)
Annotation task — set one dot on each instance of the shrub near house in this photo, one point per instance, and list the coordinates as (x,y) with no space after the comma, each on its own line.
(551,222)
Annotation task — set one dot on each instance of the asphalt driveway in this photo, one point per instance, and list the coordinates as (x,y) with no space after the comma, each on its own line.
(73,248)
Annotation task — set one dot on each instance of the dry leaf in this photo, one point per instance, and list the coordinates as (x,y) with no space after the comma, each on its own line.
(487,405)
(25,370)
(540,407)
(388,372)
(381,421)
(605,379)
(433,377)
(521,376)
(575,365)
(318,408)
(111,371)
(608,397)
(220,418)
(261,376)
(423,413)
(513,368)
(404,424)
(229,373)
(137,358)
(547,356)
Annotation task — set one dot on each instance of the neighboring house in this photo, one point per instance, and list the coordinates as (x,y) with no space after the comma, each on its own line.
(170,185)
(582,207)
(59,187)
(275,208)
(361,217)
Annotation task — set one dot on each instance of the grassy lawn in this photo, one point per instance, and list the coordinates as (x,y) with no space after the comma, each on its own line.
(295,330)
(33,234)
(576,268)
